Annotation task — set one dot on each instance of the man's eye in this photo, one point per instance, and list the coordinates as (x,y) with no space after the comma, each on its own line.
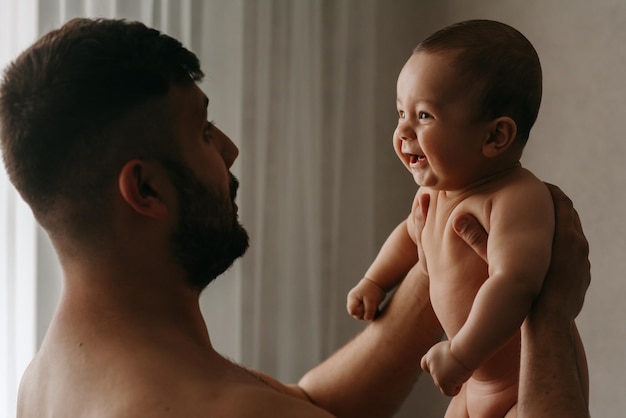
(208,128)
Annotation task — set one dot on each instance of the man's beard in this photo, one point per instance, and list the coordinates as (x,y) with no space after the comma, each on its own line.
(209,237)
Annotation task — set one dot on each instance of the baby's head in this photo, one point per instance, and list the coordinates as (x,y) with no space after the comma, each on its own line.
(500,61)
(466,100)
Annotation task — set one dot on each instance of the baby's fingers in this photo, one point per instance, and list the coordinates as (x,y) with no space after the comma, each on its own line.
(424,363)
(370,310)
(449,390)
(355,308)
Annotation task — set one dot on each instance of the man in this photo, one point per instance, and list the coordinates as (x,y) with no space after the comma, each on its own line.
(105,136)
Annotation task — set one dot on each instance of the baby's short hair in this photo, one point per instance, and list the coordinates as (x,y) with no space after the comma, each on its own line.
(501,62)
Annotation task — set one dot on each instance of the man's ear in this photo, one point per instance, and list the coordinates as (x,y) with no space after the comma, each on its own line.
(138,182)
(502,133)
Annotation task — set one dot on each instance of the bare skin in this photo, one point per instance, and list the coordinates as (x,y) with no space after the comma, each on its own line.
(465,164)
(551,318)
(128,338)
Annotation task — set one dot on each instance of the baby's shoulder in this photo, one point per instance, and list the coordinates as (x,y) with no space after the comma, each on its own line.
(515,187)
(521,179)
(523,189)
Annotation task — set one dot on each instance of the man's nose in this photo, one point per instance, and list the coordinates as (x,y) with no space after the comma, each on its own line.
(228,149)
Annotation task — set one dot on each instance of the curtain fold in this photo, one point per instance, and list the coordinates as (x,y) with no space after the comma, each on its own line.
(308,147)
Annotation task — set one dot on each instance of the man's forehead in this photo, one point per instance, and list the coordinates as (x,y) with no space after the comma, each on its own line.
(205,101)
(188,97)
(201,101)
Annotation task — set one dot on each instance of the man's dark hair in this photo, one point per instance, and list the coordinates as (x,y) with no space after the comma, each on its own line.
(500,62)
(74,107)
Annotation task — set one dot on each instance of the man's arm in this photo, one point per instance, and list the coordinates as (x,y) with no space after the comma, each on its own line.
(552,386)
(549,385)
(373,374)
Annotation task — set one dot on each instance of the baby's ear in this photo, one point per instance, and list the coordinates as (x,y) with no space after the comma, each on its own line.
(502,133)
(140,187)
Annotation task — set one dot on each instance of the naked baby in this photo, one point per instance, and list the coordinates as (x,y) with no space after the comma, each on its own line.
(466,99)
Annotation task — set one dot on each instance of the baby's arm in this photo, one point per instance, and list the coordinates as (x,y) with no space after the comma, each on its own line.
(519,245)
(394,260)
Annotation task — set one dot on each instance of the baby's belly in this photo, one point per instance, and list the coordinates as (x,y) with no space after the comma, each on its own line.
(455,278)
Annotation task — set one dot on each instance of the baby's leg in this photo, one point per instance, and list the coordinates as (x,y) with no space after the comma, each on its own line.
(458,405)
(489,400)
(491,406)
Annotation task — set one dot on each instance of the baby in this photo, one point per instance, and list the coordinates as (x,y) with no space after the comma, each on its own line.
(467,99)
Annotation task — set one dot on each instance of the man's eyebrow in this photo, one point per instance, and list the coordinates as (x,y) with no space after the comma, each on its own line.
(204,109)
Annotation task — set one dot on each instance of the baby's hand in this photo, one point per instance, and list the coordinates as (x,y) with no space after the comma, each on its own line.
(364,298)
(447,372)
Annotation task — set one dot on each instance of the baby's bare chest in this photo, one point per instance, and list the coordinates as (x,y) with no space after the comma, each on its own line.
(456,271)
(439,239)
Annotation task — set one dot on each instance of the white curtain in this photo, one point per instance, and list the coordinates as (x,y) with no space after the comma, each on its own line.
(17,236)
(307,153)
(306,91)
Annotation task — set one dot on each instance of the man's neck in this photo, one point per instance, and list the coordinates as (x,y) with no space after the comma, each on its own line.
(147,298)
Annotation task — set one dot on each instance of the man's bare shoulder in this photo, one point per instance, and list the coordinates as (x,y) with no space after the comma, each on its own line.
(227,398)
(216,387)
(249,401)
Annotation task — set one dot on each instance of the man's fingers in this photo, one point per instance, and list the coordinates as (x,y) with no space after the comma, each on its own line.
(420,214)
(471,231)
(424,204)
(569,268)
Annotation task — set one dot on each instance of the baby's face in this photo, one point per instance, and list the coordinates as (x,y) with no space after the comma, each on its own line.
(439,136)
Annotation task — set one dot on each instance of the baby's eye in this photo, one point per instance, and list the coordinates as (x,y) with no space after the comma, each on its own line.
(424,115)
(401,114)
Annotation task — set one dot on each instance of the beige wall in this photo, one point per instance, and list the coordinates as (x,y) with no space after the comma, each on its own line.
(578,143)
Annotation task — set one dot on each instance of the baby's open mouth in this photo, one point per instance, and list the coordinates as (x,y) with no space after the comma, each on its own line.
(414,158)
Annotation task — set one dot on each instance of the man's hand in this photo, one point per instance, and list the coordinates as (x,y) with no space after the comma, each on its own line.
(559,365)
(568,277)
(419,217)
(472,232)
(550,318)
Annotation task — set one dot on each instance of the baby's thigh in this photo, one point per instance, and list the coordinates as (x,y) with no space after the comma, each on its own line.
(484,401)
(458,405)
